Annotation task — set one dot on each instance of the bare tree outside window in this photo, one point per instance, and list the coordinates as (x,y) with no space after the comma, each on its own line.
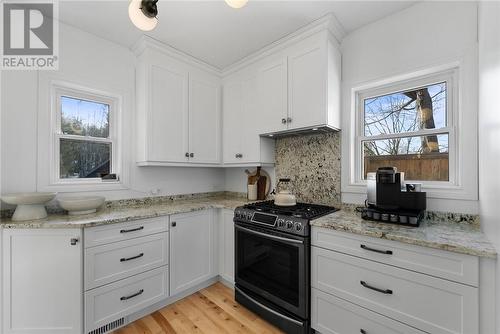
(395,120)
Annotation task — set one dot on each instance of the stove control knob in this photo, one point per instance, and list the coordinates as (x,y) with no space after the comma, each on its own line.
(289,224)
(281,222)
(249,215)
(298,226)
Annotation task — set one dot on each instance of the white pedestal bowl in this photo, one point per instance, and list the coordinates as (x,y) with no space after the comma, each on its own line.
(30,206)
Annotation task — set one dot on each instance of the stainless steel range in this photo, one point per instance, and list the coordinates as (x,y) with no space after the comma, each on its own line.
(272,269)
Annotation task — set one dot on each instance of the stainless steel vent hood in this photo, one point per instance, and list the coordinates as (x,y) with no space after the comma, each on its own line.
(300,132)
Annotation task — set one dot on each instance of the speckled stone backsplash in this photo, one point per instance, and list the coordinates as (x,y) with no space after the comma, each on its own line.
(312,162)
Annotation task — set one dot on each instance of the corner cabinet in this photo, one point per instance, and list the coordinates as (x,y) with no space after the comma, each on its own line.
(192,250)
(41,268)
(178,112)
(242,143)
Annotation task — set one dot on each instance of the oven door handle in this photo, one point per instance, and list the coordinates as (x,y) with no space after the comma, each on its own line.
(269,309)
(270,236)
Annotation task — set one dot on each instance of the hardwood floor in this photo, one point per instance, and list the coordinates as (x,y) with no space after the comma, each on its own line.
(211,310)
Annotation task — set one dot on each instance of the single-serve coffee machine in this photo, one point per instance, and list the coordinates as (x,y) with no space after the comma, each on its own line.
(390,200)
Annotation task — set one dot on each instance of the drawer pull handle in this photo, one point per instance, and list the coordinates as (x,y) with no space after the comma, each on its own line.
(366,285)
(124,259)
(140,292)
(362,331)
(388,252)
(132,229)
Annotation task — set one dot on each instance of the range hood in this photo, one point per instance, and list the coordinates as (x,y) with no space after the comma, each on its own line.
(300,131)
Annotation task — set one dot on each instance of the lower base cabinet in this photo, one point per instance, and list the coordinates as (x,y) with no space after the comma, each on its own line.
(192,250)
(42,281)
(226,245)
(106,307)
(332,315)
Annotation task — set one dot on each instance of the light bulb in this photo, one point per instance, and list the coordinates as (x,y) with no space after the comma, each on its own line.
(236,3)
(138,18)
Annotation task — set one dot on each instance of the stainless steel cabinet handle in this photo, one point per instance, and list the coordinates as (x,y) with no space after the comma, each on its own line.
(270,236)
(132,229)
(283,120)
(73,241)
(388,252)
(174,224)
(187,154)
(140,292)
(289,120)
(124,259)
(366,285)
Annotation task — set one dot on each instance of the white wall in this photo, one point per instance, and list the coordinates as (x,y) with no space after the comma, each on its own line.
(93,62)
(425,35)
(489,125)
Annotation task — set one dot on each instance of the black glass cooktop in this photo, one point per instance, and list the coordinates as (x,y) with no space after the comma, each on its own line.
(300,210)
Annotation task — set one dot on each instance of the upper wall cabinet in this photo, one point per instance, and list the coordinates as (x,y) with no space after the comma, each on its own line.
(178,111)
(242,143)
(314,67)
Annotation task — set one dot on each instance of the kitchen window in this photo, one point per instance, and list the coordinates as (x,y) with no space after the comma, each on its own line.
(410,125)
(85,147)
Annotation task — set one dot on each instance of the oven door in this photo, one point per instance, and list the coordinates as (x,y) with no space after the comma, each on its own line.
(274,266)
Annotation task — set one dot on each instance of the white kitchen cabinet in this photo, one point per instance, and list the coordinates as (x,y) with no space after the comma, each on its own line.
(314,66)
(242,143)
(204,119)
(192,250)
(226,245)
(272,95)
(178,112)
(42,286)
(394,280)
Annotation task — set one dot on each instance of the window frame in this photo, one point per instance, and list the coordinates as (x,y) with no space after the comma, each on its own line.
(450,77)
(59,89)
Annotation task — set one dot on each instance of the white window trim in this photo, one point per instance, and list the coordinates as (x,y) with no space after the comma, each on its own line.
(461,118)
(51,181)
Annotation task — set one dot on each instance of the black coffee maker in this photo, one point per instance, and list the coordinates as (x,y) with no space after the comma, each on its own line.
(393,203)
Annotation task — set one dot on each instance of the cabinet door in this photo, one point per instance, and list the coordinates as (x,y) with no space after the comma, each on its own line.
(42,287)
(272,96)
(226,243)
(204,120)
(232,122)
(192,252)
(307,86)
(249,130)
(168,124)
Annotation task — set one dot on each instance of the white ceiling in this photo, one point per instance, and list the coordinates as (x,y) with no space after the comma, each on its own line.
(214,32)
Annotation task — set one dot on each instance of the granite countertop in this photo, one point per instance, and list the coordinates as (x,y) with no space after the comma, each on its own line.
(131,211)
(451,236)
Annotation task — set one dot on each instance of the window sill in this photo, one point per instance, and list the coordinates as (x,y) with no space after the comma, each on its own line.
(444,191)
(84,186)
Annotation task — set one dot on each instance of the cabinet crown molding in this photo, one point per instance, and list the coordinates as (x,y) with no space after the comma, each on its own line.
(327,22)
(146,42)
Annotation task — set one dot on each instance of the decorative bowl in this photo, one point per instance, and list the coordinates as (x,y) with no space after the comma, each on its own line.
(81,205)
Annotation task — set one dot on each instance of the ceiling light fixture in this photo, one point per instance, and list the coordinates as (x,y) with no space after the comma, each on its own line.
(236,3)
(143,13)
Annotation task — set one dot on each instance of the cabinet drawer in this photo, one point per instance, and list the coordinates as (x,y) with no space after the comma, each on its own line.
(114,301)
(99,235)
(452,266)
(108,263)
(431,304)
(332,315)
